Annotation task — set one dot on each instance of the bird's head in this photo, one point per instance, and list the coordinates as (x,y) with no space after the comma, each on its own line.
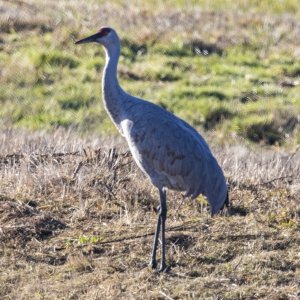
(105,36)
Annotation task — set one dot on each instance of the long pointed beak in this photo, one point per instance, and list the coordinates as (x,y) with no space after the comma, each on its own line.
(89,39)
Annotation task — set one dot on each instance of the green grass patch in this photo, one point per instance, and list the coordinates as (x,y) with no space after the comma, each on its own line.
(46,81)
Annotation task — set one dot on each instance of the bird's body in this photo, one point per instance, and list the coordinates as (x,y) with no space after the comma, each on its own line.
(172,154)
(166,148)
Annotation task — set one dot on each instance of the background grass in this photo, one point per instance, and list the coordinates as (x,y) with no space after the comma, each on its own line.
(219,65)
(76,214)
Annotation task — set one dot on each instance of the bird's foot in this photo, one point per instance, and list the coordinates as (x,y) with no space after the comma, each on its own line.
(153,264)
(163,269)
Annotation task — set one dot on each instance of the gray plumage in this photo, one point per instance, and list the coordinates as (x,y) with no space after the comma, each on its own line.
(166,148)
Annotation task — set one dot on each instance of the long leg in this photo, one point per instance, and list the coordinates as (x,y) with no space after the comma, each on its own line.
(161,220)
(153,262)
(163,217)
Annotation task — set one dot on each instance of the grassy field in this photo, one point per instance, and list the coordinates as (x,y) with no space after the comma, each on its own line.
(225,68)
(77,216)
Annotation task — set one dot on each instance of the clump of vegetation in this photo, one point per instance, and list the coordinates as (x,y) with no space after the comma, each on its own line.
(56,59)
(216,117)
(131,49)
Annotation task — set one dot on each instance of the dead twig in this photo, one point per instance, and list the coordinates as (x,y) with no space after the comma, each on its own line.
(277,179)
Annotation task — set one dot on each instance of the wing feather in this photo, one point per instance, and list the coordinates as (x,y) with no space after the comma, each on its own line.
(172,149)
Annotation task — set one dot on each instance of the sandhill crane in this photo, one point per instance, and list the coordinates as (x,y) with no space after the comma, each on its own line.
(167,149)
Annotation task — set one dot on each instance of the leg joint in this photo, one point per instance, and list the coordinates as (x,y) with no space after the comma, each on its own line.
(163,211)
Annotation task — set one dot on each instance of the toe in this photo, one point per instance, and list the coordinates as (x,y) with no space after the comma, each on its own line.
(153,264)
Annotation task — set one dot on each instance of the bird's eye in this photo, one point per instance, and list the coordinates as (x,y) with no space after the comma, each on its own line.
(104,31)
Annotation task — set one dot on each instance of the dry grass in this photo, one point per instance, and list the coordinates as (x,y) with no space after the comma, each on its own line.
(76,222)
(235,23)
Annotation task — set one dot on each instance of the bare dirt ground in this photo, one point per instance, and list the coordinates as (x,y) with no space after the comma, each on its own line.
(77,220)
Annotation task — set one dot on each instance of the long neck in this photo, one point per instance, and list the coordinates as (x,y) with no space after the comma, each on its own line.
(111,90)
